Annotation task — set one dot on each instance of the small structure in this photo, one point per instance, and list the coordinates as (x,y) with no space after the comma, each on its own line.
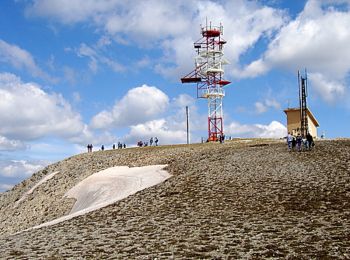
(294,121)
(300,120)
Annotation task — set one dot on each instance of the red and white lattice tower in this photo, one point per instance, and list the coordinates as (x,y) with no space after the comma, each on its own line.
(208,75)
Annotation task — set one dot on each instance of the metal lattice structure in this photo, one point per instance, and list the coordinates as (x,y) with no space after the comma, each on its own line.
(208,75)
(304,128)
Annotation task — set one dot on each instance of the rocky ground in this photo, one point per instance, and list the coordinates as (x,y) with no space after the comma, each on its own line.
(246,199)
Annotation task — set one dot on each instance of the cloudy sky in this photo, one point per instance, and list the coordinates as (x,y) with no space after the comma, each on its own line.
(103,71)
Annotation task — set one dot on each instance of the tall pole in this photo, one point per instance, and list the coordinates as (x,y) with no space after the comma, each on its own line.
(187,126)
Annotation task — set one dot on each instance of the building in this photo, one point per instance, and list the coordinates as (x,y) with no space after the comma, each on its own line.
(294,121)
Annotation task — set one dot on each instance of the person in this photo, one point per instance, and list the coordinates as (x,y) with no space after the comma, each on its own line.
(156,141)
(299,141)
(309,141)
(290,141)
(102,148)
(124,145)
(151,141)
(89,147)
(113,146)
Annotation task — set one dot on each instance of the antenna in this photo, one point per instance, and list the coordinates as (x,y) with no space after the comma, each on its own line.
(208,76)
(302,81)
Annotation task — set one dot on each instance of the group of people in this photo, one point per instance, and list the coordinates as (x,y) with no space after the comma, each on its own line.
(120,146)
(151,141)
(89,147)
(298,142)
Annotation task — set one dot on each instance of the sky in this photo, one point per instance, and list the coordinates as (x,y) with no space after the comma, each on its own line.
(108,71)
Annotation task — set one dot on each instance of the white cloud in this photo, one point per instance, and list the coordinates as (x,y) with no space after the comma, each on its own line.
(160,129)
(20,168)
(27,112)
(318,40)
(263,106)
(139,105)
(168,25)
(21,59)
(273,130)
(68,11)
(330,90)
(260,107)
(11,145)
(95,58)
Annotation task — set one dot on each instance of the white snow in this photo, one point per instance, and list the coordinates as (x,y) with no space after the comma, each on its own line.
(108,186)
(44,179)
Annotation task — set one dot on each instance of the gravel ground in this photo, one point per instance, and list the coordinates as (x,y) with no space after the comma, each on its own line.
(247,199)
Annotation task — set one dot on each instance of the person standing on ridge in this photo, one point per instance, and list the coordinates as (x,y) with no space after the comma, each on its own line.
(290,141)
(156,141)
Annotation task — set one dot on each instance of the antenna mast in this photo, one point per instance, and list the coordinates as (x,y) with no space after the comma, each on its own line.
(208,76)
(302,81)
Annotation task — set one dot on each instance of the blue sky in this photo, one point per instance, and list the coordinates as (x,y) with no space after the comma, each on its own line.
(88,71)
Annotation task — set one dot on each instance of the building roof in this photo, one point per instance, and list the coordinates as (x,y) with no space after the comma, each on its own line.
(309,113)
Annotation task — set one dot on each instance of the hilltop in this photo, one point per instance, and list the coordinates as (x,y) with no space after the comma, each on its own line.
(242,199)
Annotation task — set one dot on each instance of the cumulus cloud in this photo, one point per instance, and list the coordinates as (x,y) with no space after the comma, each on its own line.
(318,40)
(21,59)
(330,90)
(159,128)
(19,168)
(273,130)
(11,145)
(139,105)
(27,112)
(263,106)
(169,25)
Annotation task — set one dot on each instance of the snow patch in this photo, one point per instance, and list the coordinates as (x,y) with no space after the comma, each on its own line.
(108,186)
(44,179)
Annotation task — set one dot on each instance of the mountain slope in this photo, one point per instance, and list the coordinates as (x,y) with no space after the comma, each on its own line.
(242,199)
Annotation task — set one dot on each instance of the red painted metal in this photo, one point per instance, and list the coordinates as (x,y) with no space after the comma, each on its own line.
(224,82)
(208,75)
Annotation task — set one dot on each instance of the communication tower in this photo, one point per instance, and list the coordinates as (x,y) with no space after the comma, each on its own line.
(304,127)
(208,76)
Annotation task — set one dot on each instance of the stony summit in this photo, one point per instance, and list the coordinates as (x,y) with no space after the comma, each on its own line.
(248,199)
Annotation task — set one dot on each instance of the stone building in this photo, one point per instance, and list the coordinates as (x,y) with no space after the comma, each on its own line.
(294,121)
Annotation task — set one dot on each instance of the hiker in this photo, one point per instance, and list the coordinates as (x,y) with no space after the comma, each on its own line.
(290,141)
(88,148)
(102,148)
(124,145)
(299,141)
(113,146)
(151,141)
(156,141)
(309,141)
